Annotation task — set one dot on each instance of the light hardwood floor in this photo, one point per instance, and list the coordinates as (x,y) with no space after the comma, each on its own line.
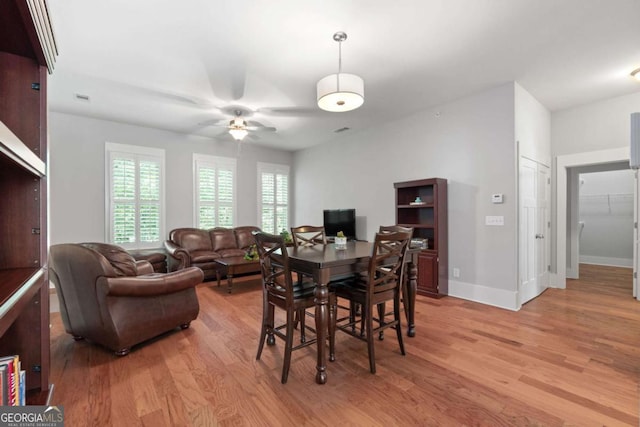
(569,357)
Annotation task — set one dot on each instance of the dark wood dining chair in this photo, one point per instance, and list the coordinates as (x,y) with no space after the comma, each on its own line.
(403,275)
(280,291)
(381,283)
(308,235)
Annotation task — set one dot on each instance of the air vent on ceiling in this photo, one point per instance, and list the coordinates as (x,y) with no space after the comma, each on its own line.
(341,129)
(81,97)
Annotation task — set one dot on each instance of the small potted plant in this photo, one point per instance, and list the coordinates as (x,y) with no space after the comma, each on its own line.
(286,236)
(341,240)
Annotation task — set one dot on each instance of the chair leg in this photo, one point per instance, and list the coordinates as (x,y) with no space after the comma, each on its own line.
(381,310)
(287,347)
(271,338)
(300,314)
(369,333)
(333,315)
(396,314)
(263,328)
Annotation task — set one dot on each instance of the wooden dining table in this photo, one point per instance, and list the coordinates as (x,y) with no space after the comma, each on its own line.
(325,263)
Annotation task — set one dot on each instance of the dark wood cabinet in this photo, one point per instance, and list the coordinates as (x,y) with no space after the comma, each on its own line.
(422,204)
(27,52)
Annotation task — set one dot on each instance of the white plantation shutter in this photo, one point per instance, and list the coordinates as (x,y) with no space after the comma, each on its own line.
(273,199)
(135,193)
(214,179)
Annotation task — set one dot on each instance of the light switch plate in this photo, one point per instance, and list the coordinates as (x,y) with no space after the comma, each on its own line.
(494,220)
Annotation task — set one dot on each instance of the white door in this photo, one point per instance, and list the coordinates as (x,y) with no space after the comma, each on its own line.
(534,233)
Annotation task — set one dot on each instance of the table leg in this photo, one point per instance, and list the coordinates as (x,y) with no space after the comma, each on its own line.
(229,280)
(410,298)
(322,324)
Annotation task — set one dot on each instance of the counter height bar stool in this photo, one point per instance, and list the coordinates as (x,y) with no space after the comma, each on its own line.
(381,283)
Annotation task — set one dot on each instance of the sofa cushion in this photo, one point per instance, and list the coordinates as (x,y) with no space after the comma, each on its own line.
(121,261)
(192,239)
(203,256)
(244,237)
(223,238)
(226,253)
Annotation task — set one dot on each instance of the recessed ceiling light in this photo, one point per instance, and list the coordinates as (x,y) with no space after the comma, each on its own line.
(81,97)
(636,74)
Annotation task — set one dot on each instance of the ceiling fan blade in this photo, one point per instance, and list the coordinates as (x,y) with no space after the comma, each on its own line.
(288,111)
(228,81)
(215,122)
(258,125)
(261,128)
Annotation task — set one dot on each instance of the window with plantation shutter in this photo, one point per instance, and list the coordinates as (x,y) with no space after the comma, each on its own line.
(215,191)
(273,197)
(135,195)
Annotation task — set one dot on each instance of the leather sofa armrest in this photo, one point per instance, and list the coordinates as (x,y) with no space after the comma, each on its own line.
(178,253)
(154,284)
(143,267)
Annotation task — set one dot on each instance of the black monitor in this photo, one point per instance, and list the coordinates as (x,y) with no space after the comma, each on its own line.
(340,220)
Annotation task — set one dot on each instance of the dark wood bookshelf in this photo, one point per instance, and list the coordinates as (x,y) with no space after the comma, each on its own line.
(24,285)
(429,221)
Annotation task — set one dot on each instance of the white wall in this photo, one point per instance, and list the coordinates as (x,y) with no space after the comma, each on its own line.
(596,126)
(470,142)
(606,218)
(533,127)
(76,173)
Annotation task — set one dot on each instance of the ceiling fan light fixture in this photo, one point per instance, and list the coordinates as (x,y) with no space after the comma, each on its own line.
(238,129)
(636,74)
(340,92)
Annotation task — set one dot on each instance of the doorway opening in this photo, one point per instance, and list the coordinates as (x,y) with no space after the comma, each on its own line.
(568,169)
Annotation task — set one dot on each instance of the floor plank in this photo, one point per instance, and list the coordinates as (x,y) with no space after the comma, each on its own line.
(569,357)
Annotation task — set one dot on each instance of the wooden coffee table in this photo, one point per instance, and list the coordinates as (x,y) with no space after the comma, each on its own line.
(236,265)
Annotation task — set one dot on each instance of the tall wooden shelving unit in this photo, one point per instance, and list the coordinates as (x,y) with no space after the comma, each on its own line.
(27,52)
(429,221)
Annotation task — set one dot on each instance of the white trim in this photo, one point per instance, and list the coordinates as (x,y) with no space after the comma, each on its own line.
(215,162)
(484,294)
(562,163)
(111,148)
(273,168)
(603,260)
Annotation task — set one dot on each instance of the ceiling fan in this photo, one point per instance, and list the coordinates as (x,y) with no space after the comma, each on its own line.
(238,127)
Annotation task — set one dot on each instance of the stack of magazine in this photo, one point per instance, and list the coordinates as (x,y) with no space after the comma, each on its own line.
(12,382)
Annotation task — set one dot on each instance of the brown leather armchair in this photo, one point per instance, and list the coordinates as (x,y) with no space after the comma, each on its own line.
(109,298)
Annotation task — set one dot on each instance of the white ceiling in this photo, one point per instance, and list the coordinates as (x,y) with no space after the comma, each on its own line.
(176,64)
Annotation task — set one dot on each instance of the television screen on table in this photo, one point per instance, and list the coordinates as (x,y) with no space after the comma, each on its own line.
(336,220)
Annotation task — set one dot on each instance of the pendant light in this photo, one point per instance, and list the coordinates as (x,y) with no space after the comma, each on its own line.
(340,92)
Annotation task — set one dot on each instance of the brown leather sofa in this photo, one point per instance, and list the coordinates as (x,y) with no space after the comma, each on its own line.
(194,247)
(109,298)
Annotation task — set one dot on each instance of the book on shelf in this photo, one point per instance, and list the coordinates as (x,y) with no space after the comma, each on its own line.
(11,387)
(417,203)
(22,384)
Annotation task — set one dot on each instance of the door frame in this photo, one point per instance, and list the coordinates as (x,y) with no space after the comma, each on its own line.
(562,163)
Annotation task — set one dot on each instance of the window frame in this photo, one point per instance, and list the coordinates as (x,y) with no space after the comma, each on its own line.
(274,168)
(137,153)
(215,162)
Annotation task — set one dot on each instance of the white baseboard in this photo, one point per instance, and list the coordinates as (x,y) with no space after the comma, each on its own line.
(484,294)
(601,260)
